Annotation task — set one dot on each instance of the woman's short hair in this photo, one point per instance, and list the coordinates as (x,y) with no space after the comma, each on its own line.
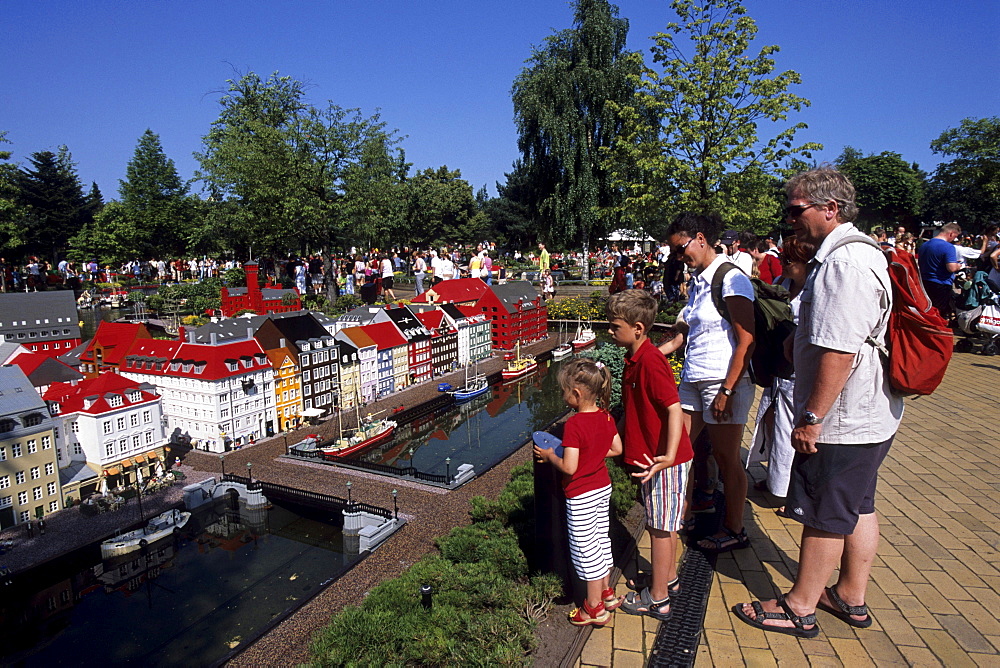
(691,224)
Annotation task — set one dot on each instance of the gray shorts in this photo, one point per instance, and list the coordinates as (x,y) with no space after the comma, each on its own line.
(831,488)
(697,397)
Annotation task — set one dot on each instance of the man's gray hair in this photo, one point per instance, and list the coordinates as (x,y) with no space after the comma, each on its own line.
(821,185)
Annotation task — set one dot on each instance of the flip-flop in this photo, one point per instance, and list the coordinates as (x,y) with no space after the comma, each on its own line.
(760,616)
(843,611)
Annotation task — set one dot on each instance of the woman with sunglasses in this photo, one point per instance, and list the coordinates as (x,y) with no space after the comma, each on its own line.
(715,389)
(772,436)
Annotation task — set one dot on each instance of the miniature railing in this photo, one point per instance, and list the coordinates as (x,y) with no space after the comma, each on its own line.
(276,491)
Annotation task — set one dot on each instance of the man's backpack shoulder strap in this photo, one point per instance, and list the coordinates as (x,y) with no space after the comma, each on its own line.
(716,289)
(884,321)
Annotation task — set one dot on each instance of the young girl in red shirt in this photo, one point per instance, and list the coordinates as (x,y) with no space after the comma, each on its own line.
(589,437)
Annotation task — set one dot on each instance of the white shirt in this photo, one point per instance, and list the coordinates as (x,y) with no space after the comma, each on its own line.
(711,339)
(845,298)
(445,269)
(741,259)
(387,268)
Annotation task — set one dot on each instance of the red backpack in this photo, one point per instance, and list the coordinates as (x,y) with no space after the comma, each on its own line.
(920,341)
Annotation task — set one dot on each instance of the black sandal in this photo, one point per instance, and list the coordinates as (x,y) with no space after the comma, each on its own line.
(757,621)
(727,543)
(844,612)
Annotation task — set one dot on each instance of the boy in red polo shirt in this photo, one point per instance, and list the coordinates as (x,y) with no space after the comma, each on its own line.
(653,427)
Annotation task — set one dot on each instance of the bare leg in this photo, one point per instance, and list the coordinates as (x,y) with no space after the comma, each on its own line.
(726,447)
(663,549)
(817,558)
(856,563)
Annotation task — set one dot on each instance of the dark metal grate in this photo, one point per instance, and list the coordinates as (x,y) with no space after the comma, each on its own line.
(677,639)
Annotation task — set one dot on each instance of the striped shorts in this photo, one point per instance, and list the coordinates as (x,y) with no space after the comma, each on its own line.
(663,496)
(589,541)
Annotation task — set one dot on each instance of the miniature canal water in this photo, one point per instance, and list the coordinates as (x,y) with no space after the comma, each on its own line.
(482,431)
(188,600)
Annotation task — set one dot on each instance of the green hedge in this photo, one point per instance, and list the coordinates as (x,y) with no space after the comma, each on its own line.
(486,603)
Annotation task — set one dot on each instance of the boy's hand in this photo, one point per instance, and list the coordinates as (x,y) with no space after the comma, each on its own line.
(543,455)
(653,466)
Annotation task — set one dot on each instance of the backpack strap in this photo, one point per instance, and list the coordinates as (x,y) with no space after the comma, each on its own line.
(884,321)
(716,290)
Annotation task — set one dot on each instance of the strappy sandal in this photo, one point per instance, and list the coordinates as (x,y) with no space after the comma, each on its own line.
(644,580)
(611,600)
(726,543)
(642,603)
(800,622)
(595,616)
(844,612)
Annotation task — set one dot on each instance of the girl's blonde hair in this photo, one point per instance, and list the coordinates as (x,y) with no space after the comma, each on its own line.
(590,375)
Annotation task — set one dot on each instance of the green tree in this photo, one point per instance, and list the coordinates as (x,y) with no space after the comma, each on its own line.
(510,214)
(55,205)
(281,174)
(890,191)
(966,189)
(565,117)
(154,214)
(441,208)
(12,212)
(698,133)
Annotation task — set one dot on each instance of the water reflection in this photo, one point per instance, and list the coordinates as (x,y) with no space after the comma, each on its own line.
(481,432)
(187,599)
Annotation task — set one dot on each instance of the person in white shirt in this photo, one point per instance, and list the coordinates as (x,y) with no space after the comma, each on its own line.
(730,239)
(385,264)
(715,388)
(419,271)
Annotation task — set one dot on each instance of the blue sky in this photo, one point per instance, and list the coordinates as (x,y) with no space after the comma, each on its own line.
(94,74)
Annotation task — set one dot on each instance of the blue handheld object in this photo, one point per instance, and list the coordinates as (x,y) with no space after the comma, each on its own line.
(547,441)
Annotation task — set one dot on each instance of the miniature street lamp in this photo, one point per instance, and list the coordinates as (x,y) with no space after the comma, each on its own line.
(447,470)
(250,471)
(222,460)
(349,502)
(395,505)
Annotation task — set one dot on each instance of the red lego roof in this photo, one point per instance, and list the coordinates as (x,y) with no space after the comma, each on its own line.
(358,336)
(384,334)
(115,338)
(71,397)
(432,319)
(197,360)
(458,290)
(29,362)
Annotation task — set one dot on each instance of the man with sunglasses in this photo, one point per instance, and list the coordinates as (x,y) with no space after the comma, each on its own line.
(845,413)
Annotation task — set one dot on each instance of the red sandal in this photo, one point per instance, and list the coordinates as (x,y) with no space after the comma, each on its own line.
(611,600)
(596,616)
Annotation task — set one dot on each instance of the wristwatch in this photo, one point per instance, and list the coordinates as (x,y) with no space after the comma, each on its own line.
(812,418)
(726,391)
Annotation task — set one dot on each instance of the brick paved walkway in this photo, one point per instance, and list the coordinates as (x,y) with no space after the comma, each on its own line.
(935,590)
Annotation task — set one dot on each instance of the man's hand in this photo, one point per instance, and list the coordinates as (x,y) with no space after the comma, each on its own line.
(653,466)
(804,438)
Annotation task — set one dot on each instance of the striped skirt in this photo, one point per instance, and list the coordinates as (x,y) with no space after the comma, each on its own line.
(589,541)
